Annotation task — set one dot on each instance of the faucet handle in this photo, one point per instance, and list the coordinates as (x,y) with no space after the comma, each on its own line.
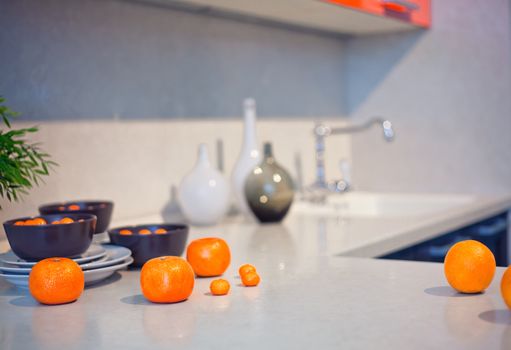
(344,184)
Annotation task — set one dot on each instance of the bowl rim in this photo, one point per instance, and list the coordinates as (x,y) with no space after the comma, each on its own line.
(92,202)
(85,216)
(179,227)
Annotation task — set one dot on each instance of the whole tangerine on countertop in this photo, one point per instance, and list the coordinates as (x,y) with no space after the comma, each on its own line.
(219,287)
(55,281)
(505,287)
(208,256)
(246,268)
(469,266)
(250,279)
(167,279)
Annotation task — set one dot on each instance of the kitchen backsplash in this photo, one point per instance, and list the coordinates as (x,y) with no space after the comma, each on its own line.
(136,163)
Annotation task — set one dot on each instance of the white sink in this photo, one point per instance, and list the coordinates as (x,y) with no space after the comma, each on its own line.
(372,204)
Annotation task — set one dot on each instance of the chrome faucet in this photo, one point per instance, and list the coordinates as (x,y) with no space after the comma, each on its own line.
(321,131)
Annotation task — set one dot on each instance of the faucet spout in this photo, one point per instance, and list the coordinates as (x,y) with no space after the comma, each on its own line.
(321,131)
(388,130)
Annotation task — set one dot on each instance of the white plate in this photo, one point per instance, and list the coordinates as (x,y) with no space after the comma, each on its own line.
(114,255)
(94,252)
(97,275)
(91,276)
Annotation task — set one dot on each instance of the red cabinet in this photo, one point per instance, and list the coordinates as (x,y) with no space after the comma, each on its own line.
(355,17)
(413,11)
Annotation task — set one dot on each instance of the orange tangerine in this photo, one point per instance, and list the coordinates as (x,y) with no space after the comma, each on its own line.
(505,287)
(469,266)
(39,221)
(167,279)
(246,268)
(219,287)
(250,279)
(208,256)
(56,281)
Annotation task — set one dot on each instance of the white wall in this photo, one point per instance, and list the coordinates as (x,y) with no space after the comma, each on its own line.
(448,92)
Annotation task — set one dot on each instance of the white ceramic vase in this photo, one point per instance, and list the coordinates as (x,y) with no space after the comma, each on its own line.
(248,159)
(203,194)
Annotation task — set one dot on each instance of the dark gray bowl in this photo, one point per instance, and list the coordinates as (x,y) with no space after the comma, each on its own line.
(146,247)
(46,241)
(102,209)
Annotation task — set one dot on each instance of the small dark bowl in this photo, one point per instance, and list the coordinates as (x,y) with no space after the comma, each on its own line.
(45,241)
(102,209)
(146,247)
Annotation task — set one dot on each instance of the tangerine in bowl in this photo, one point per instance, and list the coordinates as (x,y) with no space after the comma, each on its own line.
(150,241)
(45,236)
(102,209)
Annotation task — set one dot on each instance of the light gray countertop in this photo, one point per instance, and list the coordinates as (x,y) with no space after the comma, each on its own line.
(350,303)
(308,297)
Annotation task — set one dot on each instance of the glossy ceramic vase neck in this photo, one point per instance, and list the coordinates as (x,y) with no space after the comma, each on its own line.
(249,134)
(248,158)
(202,157)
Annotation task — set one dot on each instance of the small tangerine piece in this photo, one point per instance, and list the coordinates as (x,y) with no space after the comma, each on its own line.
(219,287)
(73,207)
(56,222)
(62,208)
(250,279)
(246,268)
(160,231)
(125,232)
(144,232)
(19,223)
(66,221)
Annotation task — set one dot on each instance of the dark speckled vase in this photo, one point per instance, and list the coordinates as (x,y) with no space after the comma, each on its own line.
(269,189)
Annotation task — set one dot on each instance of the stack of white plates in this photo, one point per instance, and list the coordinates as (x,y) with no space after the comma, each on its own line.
(98,262)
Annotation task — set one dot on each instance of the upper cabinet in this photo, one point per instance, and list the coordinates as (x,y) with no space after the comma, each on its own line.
(415,12)
(356,17)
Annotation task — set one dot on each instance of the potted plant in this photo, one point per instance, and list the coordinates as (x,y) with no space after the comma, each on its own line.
(22,164)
